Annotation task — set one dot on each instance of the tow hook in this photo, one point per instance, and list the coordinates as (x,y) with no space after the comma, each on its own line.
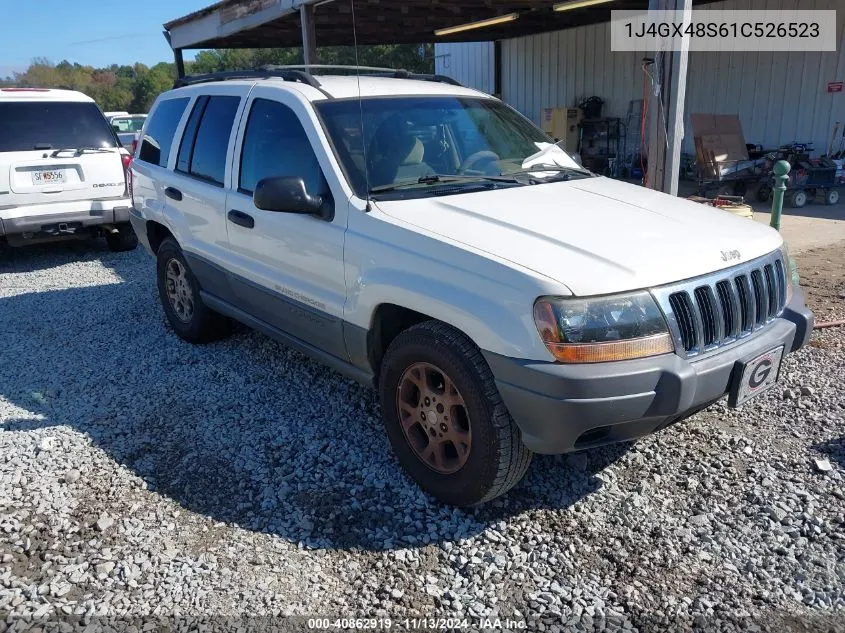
(109,228)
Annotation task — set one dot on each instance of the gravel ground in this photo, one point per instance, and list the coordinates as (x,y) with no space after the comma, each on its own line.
(141,477)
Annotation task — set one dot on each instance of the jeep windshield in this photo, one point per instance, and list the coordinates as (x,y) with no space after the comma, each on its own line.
(29,125)
(412,147)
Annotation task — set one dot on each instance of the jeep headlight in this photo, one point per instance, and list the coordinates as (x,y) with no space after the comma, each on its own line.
(790,272)
(600,329)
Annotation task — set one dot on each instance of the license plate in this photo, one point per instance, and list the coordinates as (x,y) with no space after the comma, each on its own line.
(757,376)
(48,177)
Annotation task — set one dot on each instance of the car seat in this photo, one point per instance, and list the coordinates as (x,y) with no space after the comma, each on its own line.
(396,155)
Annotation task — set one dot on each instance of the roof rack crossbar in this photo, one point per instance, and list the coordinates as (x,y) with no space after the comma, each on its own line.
(350,68)
(261,73)
(301,74)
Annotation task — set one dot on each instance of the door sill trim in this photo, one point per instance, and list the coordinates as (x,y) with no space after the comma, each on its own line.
(347,369)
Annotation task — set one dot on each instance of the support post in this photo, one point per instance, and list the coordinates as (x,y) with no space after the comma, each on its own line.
(781,170)
(666,109)
(497,69)
(180,62)
(309,36)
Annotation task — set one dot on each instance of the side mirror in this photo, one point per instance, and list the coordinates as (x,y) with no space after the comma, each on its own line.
(288,195)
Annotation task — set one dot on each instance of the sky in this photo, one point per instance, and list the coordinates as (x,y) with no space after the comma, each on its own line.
(93,32)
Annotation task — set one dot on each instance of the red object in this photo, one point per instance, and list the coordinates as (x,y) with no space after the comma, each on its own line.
(127,173)
(834,86)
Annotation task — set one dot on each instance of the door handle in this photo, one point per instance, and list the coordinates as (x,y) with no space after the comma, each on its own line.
(174,193)
(241,219)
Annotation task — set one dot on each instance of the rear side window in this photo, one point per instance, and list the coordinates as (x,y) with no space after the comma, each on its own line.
(203,150)
(29,125)
(155,147)
(183,161)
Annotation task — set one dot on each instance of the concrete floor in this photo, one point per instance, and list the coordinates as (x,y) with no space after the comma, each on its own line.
(812,226)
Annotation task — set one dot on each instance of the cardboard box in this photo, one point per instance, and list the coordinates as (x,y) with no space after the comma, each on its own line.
(562,124)
(718,139)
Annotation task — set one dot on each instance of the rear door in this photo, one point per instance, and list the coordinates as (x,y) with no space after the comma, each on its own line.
(57,151)
(195,195)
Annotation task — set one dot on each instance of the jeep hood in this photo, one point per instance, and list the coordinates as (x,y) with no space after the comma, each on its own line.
(594,235)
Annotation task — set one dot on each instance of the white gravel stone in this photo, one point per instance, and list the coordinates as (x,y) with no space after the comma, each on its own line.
(241,478)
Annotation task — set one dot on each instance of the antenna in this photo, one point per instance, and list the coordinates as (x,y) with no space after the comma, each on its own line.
(361,107)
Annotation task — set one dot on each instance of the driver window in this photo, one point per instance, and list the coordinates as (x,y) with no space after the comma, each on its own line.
(275,144)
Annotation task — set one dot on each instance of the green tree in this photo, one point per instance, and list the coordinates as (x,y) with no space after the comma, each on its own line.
(135,87)
(148,86)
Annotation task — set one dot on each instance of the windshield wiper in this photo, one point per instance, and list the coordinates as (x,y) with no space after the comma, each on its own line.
(441,179)
(79,151)
(549,167)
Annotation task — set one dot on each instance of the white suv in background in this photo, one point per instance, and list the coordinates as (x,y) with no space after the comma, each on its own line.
(62,172)
(428,240)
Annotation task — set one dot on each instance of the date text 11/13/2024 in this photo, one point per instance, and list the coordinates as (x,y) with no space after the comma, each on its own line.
(415,624)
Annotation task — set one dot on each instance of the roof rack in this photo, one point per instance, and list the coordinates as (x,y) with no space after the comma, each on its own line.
(303,74)
(369,71)
(260,73)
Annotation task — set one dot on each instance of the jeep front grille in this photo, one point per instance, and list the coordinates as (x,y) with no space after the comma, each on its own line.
(709,312)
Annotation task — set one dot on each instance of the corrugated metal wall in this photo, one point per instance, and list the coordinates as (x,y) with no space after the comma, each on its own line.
(779,97)
(470,63)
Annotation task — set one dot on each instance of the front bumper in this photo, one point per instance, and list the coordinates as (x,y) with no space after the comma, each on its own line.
(561,408)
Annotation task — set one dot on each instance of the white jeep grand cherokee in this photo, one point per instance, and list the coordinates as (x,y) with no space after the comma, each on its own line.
(62,170)
(427,239)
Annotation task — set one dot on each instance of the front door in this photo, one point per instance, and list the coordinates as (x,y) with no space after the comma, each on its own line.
(287,268)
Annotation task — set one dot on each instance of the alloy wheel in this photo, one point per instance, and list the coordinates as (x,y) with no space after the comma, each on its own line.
(434,418)
(179,291)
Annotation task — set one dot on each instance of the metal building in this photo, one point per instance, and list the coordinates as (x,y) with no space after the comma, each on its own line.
(780,97)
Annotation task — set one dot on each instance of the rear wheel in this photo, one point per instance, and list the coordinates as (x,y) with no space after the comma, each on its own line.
(831,196)
(445,418)
(179,293)
(124,240)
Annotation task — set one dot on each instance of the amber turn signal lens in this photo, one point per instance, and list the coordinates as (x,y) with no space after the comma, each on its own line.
(615,350)
(544,318)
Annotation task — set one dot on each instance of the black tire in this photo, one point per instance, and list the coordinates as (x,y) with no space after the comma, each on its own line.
(7,254)
(124,240)
(764,193)
(203,325)
(798,199)
(831,196)
(740,188)
(497,458)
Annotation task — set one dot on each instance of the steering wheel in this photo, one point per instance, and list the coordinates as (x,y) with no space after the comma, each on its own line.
(474,159)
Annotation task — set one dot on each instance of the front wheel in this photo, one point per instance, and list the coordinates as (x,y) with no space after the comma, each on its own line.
(445,418)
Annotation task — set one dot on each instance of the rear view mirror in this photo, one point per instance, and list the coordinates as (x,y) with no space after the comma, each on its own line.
(288,195)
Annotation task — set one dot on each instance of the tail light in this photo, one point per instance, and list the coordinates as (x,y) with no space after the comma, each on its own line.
(127,173)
